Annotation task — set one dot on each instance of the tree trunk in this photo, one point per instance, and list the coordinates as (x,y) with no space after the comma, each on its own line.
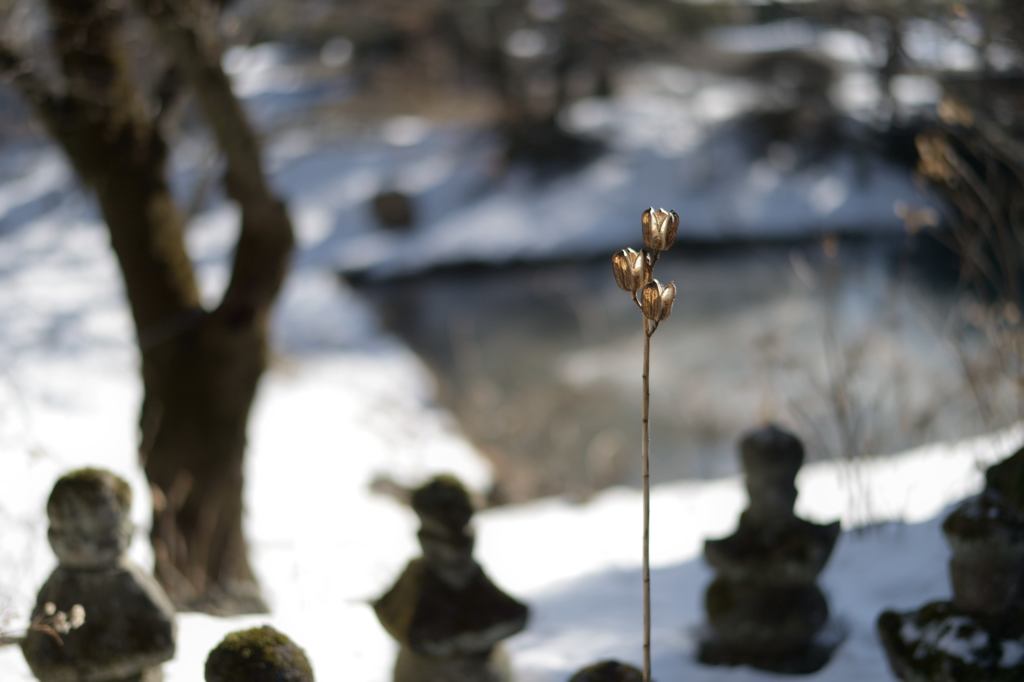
(199,389)
(200,369)
(207,383)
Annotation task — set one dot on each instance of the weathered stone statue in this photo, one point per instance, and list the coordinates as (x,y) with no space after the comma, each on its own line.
(446,614)
(979,635)
(258,655)
(764,606)
(608,671)
(129,621)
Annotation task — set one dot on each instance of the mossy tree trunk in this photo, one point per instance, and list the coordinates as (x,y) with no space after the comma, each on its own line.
(200,367)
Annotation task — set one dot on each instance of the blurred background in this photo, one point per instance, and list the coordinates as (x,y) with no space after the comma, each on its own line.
(848,175)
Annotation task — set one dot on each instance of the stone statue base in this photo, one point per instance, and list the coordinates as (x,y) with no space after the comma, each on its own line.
(126,613)
(978,635)
(940,643)
(800,660)
(155,675)
(764,607)
(490,667)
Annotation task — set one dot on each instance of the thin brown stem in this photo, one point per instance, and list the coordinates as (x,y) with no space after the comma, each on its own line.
(646,468)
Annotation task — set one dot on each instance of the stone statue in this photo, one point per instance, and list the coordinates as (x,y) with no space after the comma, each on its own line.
(258,655)
(979,635)
(608,671)
(764,606)
(445,613)
(129,622)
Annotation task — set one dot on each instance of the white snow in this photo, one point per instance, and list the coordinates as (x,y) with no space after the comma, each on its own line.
(1013,654)
(776,36)
(941,45)
(343,403)
(257,69)
(960,637)
(669,137)
(466,214)
(928,43)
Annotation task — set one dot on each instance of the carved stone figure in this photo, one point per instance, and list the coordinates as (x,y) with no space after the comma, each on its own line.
(444,611)
(764,606)
(258,655)
(129,622)
(978,636)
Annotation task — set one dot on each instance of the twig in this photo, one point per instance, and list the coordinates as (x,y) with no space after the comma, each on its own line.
(15,69)
(10,640)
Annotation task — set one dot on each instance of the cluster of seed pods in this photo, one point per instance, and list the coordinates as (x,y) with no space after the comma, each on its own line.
(634,270)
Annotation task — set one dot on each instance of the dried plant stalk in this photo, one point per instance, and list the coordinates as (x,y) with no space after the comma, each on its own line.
(645,455)
(634,272)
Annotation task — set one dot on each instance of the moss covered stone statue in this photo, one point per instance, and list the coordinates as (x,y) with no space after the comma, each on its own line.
(979,635)
(446,614)
(129,622)
(258,655)
(608,671)
(764,606)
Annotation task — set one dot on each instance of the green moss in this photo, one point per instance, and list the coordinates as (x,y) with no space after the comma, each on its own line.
(258,655)
(93,484)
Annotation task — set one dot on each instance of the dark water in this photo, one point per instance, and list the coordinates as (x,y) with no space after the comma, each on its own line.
(852,346)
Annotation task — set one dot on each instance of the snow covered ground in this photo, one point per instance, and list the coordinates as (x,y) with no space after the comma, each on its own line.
(669,135)
(344,403)
(669,143)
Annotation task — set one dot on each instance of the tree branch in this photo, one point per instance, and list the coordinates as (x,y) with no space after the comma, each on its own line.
(104,128)
(14,68)
(265,243)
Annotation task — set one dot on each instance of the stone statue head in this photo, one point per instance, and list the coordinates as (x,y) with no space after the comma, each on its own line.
(443,504)
(1004,483)
(771,458)
(258,655)
(90,519)
(608,671)
(446,536)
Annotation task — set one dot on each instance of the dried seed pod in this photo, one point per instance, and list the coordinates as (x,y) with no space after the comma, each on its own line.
(955,113)
(76,616)
(656,300)
(659,227)
(631,269)
(934,154)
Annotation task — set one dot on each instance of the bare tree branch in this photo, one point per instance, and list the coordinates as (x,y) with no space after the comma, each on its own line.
(266,239)
(16,69)
(105,129)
